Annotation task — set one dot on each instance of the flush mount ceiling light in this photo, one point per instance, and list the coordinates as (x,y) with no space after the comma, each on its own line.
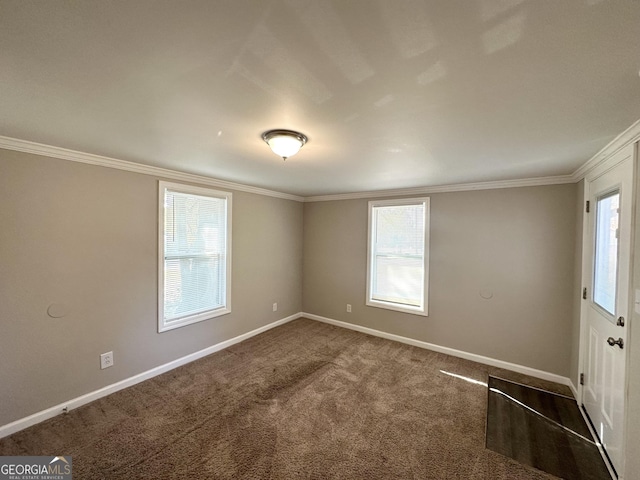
(284,143)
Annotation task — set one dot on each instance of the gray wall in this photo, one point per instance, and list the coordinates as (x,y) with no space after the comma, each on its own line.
(518,242)
(86,237)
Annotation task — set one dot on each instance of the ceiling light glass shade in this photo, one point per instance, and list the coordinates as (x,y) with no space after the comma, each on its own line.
(284,143)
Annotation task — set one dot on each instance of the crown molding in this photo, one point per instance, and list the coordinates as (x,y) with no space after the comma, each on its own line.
(18,145)
(461,187)
(630,135)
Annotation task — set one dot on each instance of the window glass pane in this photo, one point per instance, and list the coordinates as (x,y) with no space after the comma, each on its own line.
(398,254)
(193,285)
(194,224)
(606,251)
(398,280)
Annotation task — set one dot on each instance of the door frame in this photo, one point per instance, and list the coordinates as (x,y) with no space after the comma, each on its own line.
(627,151)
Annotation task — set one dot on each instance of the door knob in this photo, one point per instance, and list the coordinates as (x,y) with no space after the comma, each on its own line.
(613,342)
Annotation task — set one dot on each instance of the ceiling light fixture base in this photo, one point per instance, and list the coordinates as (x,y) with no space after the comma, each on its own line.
(284,143)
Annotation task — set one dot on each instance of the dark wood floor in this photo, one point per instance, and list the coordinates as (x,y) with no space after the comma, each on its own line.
(542,429)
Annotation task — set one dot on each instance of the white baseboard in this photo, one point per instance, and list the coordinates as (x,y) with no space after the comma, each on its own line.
(573,388)
(449,351)
(43,415)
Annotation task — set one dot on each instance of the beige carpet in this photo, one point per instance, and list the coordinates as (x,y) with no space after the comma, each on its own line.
(304,400)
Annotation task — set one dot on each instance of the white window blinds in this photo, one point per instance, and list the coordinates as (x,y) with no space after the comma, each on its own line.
(195,254)
(398,255)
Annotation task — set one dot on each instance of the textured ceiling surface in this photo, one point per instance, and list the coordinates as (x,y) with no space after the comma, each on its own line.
(391,93)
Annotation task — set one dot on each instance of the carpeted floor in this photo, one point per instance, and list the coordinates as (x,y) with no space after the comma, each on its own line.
(304,400)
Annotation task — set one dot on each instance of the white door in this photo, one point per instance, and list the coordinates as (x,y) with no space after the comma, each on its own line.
(607,269)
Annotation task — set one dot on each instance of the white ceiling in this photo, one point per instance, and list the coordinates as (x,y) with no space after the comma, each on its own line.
(392,94)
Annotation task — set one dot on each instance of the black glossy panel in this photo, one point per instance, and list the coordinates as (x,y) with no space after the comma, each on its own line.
(543,430)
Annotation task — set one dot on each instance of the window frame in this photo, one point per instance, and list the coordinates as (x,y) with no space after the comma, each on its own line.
(163,187)
(423,309)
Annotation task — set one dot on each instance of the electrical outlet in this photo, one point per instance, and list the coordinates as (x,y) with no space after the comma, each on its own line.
(106,360)
(348,308)
(275,307)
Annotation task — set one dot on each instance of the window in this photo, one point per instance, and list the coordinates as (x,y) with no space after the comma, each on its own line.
(606,251)
(194,272)
(398,255)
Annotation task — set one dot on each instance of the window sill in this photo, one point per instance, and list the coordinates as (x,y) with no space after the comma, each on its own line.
(398,307)
(164,326)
